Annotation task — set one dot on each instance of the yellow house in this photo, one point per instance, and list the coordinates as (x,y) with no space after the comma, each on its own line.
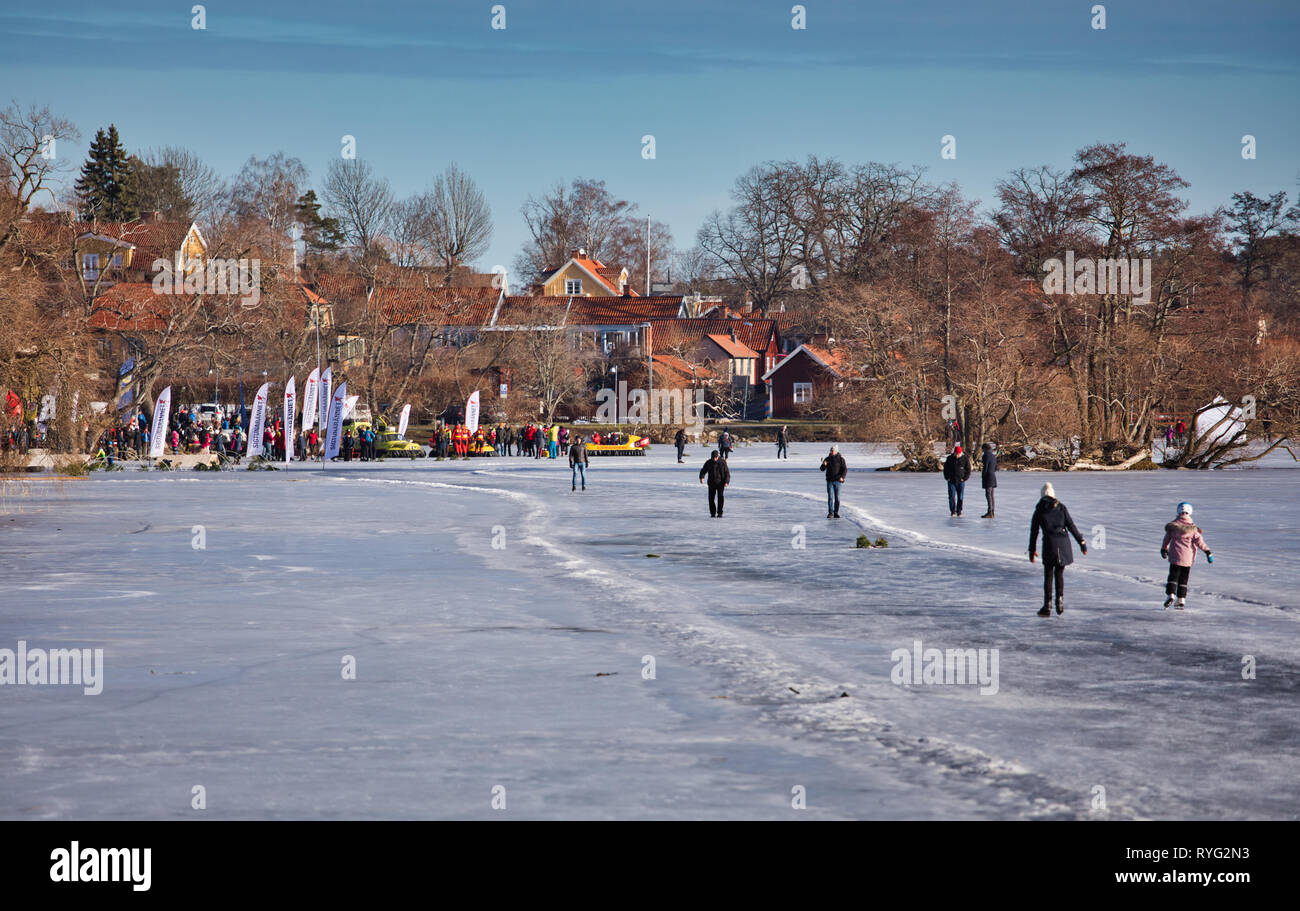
(125,251)
(584,276)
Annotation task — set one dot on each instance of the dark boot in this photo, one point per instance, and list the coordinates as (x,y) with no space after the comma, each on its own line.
(1060,608)
(1046,611)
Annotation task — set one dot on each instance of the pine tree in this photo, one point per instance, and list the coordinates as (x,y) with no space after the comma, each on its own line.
(320,234)
(158,188)
(107,186)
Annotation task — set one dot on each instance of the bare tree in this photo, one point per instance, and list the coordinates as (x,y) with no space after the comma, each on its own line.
(29,139)
(548,365)
(361,201)
(1252,220)
(460,221)
(756,244)
(263,199)
(1040,216)
(584,215)
(201,186)
(407,240)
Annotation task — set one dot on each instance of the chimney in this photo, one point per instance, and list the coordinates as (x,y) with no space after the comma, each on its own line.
(733,335)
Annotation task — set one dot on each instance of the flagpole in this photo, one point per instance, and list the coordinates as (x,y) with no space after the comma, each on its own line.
(316,314)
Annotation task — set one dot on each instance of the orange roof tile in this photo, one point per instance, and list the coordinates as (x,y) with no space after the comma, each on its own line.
(756,334)
(131,306)
(733,348)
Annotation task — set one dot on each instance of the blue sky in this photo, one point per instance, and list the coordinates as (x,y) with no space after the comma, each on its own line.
(568,89)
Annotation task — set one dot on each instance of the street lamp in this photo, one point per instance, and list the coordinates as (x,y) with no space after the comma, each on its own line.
(649,357)
(614,369)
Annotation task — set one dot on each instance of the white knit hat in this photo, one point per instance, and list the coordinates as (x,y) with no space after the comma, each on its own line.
(1184,507)
(1049,491)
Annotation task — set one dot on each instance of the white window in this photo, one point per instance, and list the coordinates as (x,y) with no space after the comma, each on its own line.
(802,393)
(117,260)
(573,286)
(90,261)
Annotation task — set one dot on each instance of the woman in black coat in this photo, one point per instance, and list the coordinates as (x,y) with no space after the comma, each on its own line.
(988,477)
(1051,516)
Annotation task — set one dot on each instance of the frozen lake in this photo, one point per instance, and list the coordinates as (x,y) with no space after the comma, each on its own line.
(500,625)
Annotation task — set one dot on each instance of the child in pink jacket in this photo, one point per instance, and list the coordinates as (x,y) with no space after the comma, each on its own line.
(1182,541)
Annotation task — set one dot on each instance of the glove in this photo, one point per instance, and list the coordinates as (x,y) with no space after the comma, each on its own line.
(1209,558)
(1083,547)
(1031,556)
(1164,554)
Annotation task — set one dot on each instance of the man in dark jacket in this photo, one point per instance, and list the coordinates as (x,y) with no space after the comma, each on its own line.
(1054,519)
(680,442)
(836,471)
(719,476)
(724,445)
(988,476)
(578,461)
(956,469)
(783,442)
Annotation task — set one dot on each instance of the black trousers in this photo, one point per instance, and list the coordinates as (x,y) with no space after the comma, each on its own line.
(1053,572)
(681,450)
(988,497)
(715,494)
(1177,583)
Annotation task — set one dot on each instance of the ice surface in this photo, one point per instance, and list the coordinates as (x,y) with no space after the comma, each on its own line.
(477,666)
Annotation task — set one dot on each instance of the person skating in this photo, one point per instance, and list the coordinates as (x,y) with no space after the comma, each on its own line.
(680,442)
(724,445)
(1051,516)
(956,469)
(836,472)
(719,476)
(988,476)
(1182,540)
(783,442)
(578,461)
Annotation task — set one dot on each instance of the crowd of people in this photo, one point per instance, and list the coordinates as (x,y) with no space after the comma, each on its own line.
(189,430)
(531,440)
(221,432)
(21,436)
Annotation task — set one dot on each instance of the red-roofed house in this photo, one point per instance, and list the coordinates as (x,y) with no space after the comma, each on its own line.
(701,339)
(585,276)
(800,378)
(127,251)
